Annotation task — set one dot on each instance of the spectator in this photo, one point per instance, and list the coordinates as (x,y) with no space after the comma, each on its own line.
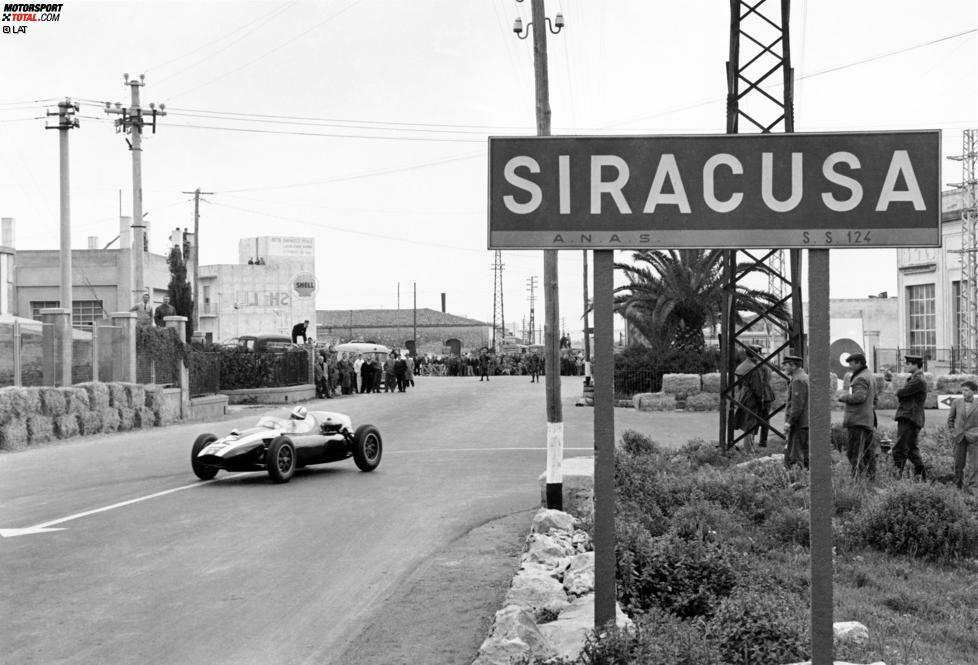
(144,311)
(164,310)
(484,364)
(963,423)
(860,418)
(910,418)
(299,330)
(400,374)
(796,413)
(409,371)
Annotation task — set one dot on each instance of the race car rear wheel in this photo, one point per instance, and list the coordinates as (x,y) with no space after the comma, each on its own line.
(280,459)
(367,447)
(201,470)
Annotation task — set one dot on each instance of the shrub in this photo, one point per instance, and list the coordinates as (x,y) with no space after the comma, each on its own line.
(657,638)
(681,576)
(703,453)
(752,627)
(848,493)
(703,520)
(920,520)
(789,524)
(636,443)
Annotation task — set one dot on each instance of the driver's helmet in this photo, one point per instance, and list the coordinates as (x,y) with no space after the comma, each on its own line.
(299,413)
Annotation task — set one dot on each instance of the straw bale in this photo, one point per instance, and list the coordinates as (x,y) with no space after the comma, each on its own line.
(711,382)
(154,396)
(703,402)
(98,395)
(654,402)
(952,383)
(144,417)
(13,435)
(110,419)
(136,393)
(76,400)
(6,406)
(118,397)
(53,402)
(66,426)
(127,418)
(90,422)
(40,429)
(681,385)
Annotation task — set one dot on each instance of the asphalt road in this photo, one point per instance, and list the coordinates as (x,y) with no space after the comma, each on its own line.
(153,566)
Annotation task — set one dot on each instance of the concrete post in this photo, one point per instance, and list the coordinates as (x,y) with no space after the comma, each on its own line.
(18,361)
(95,352)
(124,348)
(55,339)
(179,323)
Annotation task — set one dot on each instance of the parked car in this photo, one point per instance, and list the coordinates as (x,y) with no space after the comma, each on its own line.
(283,441)
(260,342)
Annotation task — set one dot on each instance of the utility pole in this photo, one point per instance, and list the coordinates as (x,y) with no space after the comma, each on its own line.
(531,284)
(66,121)
(414,333)
(967,319)
(498,317)
(131,122)
(555,419)
(196,257)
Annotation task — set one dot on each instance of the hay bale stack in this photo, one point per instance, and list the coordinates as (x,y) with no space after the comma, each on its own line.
(931,401)
(66,426)
(654,402)
(13,434)
(951,384)
(153,396)
(76,400)
(40,429)
(110,419)
(711,383)
(135,394)
(681,386)
(98,395)
(118,397)
(887,401)
(53,402)
(6,406)
(703,402)
(127,417)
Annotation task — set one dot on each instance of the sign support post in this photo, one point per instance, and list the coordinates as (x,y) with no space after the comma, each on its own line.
(604,439)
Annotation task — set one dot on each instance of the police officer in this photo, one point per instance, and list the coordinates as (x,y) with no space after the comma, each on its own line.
(910,418)
(796,413)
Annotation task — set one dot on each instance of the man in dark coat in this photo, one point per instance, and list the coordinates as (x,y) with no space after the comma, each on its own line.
(400,374)
(484,364)
(796,413)
(299,330)
(164,310)
(860,418)
(910,418)
(533,366)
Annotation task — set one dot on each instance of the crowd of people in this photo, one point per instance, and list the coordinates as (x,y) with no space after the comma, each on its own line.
(353,373)
(859,398)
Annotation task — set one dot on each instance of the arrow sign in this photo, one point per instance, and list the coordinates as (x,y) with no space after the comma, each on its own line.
(45,527)
(945,401)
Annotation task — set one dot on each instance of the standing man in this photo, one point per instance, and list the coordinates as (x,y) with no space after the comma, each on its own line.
(751,393)
(796,413)
(860,418)
(400,373)
(533,364)
(484,364)
(910,418)
(963,423)
(144,311)
(299,330)
(164,310)
(357,364)
(409,375)
(389,376)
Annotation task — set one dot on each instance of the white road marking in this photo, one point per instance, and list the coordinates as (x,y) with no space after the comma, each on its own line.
(469,450)
(44,527)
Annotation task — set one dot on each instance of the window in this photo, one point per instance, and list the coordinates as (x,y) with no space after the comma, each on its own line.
(922,319)
(83,312)
(207,300)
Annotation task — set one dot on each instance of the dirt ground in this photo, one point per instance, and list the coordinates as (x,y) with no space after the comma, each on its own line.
(442,613)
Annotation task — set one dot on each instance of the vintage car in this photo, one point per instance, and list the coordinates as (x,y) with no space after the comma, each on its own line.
(282,441)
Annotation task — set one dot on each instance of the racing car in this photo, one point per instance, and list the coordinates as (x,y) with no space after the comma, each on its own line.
(280,442)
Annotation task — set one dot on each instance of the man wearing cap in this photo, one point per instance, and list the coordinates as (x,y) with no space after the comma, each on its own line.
(753,387)
(796,413)
(910,418)
(860,417)
(963,423)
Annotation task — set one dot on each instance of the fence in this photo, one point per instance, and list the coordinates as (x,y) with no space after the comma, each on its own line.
(958,359)
(630,382)
(30,354)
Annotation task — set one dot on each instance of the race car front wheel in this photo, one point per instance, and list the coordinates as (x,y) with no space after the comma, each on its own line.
(280,459)
(201,470)
(367,447)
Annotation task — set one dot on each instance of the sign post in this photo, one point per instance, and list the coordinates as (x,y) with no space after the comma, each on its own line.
(729,191)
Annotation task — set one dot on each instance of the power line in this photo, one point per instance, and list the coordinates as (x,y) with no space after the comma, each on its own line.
(336,136)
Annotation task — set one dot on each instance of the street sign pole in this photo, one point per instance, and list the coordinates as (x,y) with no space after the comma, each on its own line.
(604,439)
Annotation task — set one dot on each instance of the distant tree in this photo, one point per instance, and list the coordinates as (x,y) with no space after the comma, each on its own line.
(180,295)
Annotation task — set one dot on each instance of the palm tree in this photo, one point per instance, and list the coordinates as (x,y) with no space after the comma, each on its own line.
(673,294)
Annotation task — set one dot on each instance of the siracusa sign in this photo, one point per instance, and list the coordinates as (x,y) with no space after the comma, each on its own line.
(866,189)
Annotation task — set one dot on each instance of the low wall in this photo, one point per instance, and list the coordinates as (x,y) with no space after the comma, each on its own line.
(283,395)
(208,407)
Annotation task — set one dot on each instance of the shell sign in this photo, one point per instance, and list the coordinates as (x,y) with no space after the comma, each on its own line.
(305,284)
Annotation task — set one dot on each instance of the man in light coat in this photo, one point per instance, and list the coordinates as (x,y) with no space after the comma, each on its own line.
(860,418)
(796,413)
(910,418)
(963,424)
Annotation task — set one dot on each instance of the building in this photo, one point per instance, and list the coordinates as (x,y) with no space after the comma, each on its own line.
(395,328)
(271,288)
(931,303)
(6,266)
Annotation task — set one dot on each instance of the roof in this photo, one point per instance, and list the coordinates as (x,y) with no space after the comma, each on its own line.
(391,318)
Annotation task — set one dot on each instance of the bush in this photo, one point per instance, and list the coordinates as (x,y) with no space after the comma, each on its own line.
(752,627)
(790,524)
(703,453)
(920,520)
(685,577)
(636,443)
(703,402)
(657,638)
(704,521)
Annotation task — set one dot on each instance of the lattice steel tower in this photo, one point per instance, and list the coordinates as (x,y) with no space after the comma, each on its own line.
(968,299)
(760,55)
(531,284)
(498,320)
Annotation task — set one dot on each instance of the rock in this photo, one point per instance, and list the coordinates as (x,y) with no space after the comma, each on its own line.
(514,635)
(579,578)
(568,632)
(577,479)
(850,632)
(762,461)
(547,519)
(546,549)
(535,590)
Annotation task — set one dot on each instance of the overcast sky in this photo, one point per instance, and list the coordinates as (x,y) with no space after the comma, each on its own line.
(363,123)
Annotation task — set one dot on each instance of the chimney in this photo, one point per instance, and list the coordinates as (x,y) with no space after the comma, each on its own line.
(93,242)
(125,232)
(7,231)
(443,303)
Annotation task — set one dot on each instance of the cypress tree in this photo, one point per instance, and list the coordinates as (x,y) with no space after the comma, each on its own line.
(180,295)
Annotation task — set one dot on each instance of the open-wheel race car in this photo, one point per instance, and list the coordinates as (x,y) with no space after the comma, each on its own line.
(282,441)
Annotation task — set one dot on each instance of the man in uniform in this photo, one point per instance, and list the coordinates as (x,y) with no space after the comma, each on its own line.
(796,413)
(910,418)
(860,417)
